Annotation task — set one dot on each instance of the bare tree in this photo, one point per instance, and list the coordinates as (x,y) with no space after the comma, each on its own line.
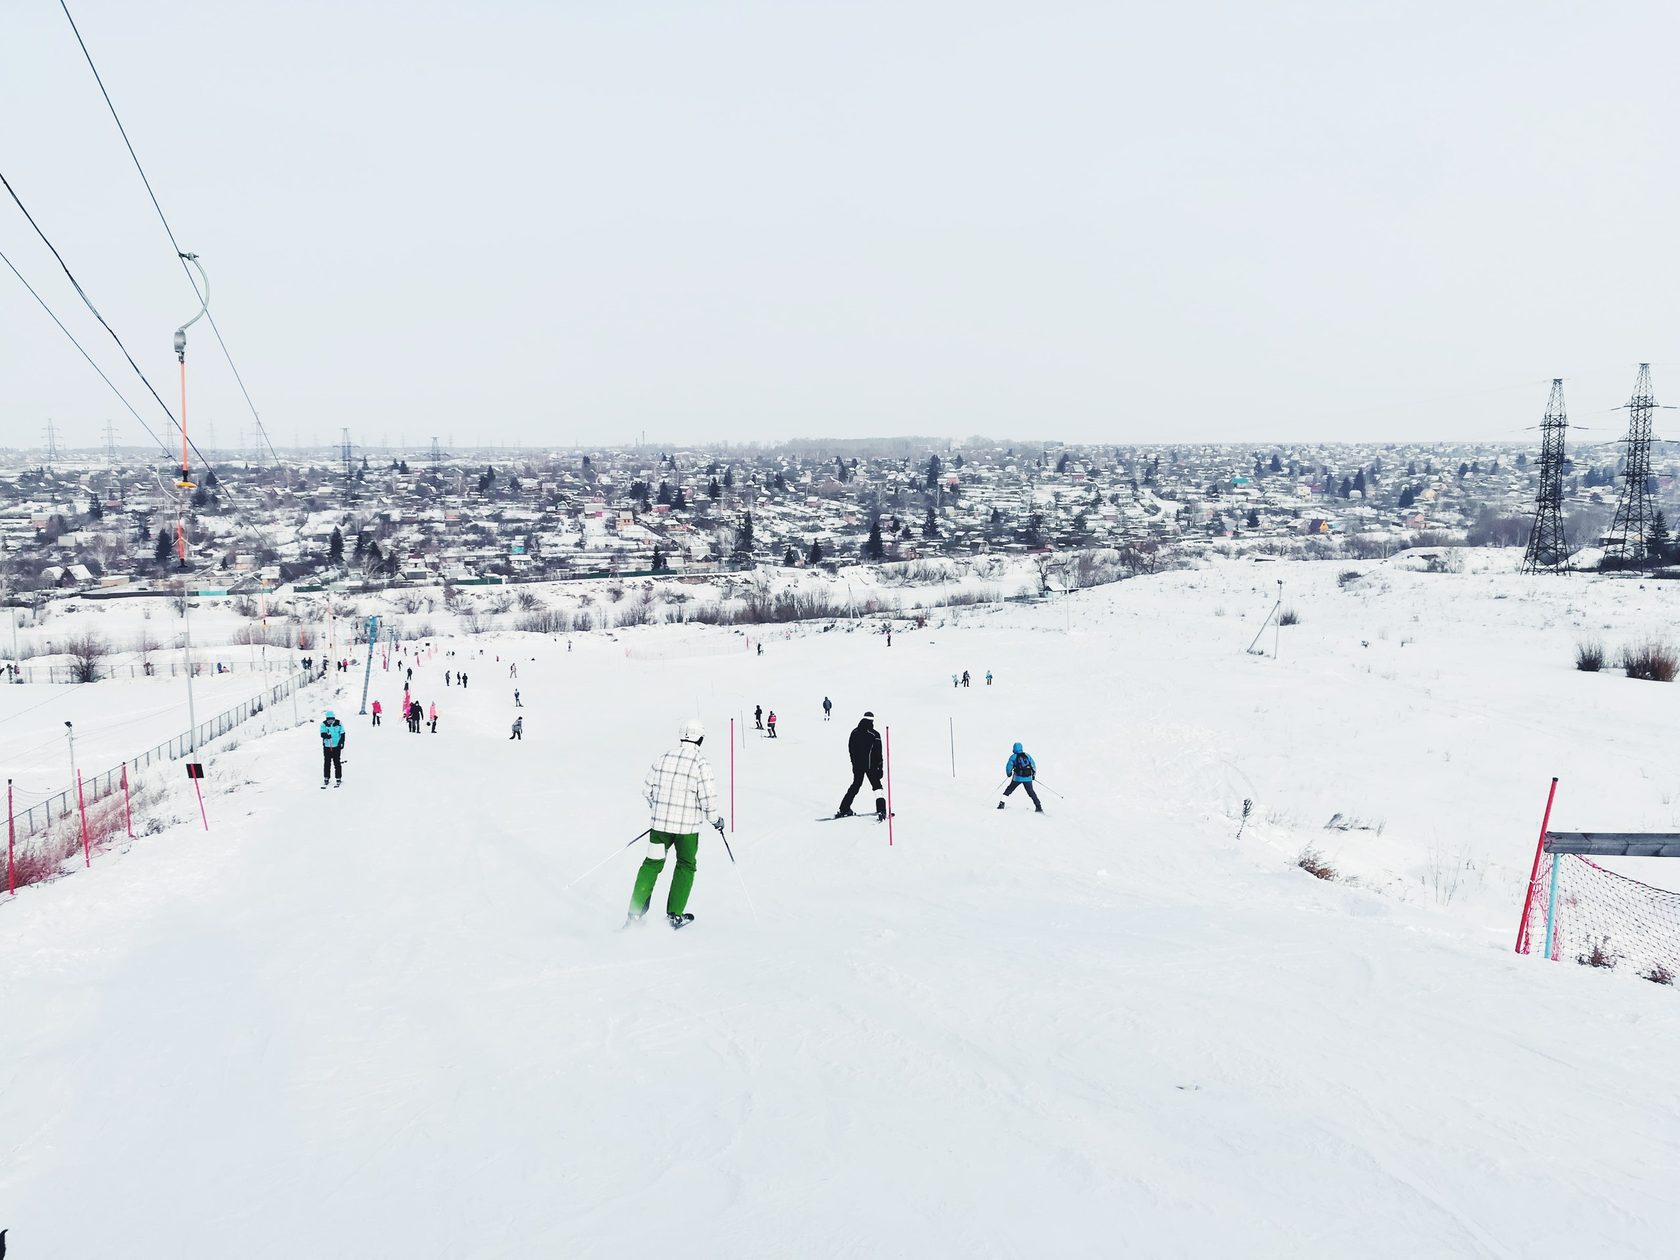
(85,653)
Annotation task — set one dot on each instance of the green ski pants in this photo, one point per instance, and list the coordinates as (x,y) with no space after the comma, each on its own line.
(682,879)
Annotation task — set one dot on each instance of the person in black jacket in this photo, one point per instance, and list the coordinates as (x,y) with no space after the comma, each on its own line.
(864,746)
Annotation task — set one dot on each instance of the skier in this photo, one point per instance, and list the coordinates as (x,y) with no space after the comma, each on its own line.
(416,715)
(332,750)
(463,678)
(955,682)
(828,708)
(772,721)
(448,677)
(377,710)
(758,717)
(433,716)
(513,670)
(1022,770)
(518,729)
(988,678)
(965,678)
(516,703)
(683,796)
(864,748)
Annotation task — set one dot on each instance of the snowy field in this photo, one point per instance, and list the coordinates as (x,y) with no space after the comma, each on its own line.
(401,1018)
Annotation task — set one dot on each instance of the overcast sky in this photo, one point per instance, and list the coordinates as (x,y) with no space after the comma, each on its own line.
(553,223)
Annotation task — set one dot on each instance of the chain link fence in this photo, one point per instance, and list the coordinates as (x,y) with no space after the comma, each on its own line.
(39,817)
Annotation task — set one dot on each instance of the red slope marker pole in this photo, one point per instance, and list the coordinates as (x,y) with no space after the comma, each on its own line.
(1534,872)
(81,804)
(889,789)
(11,844)
(128,812)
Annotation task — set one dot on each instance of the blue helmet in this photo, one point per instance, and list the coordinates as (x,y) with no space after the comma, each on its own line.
(1018,747)
(330,713)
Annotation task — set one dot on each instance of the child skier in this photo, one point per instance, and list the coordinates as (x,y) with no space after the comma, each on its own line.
(1022,770)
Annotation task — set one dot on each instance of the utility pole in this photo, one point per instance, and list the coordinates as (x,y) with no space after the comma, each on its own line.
(1632,523)
(1548,552)
(70,734)
(344,453)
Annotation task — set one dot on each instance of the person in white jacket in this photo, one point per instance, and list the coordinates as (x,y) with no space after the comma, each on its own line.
(683,796)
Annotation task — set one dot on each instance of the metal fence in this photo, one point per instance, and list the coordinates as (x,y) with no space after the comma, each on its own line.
(148,669)
(39,817)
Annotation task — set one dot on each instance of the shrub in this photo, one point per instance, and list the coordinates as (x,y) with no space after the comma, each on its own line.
(1657,973)
(1589,656)
(1289,617)
(545,621)
(86,651)
(1598,954)
(1312,862)
(1654,662)
(1347,577)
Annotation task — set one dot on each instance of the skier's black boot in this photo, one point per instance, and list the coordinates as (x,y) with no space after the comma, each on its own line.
(1000,804)
(880,810)
(680,920)
(844,813)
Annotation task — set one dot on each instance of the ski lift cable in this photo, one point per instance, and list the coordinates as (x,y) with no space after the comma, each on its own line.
(123,398)
(181,255)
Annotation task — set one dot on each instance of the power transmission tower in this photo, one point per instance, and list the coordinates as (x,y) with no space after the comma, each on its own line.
(110,444)
(52,444)
(437,455)
(1547,551)
(344,452)
(1632,523)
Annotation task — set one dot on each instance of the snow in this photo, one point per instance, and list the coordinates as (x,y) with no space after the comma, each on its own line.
(399,1018)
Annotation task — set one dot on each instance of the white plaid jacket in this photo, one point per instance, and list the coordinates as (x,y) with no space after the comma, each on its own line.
(681,791)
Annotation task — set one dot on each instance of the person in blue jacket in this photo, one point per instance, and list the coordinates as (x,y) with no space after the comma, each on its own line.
(332,750)
(1022,770)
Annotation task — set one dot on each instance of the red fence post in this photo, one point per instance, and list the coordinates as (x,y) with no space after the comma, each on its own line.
(11,843)
(889,789)
(731,775)
(1534,871)
(196,782)
(127,812)
(81,804)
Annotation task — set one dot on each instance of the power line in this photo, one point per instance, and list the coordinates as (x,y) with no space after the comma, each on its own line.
(121,397)
(180,254)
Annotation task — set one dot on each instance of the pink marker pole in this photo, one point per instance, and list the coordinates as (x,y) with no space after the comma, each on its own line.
(87,847)
(732,775)
(197,787)
(11,844)
(889,789)
(1534,872)
(128,812)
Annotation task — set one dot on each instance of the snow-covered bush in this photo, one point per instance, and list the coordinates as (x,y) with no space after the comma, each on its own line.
(1589,656)
(1654,662)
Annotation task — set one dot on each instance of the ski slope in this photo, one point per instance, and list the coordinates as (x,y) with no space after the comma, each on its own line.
(399,1019)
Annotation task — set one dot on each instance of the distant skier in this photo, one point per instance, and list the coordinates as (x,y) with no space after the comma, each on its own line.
(377,710)
(416,715)
(513,670)
(433,715)
(758,717)
(683,797)
(1022,770)
(463,678)
(955,682)
(863,745)
(828,708)
(965,678)
(332,750)
(988,678)
(518,729)
(516,703)
(448,677)
(771,720)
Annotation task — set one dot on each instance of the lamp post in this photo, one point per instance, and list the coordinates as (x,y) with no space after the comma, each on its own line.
(70,734)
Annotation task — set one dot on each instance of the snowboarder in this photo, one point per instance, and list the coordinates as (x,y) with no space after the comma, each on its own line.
(332,750)
(828,708)
(377,710)
(683,797)
(433,715)
(1022,770)
(518,729)
(864,748)
(772,721)
(758,717)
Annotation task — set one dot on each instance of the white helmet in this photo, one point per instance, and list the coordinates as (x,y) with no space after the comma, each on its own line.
(691,731)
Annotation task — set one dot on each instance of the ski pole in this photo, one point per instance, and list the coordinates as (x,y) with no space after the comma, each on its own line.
(609,858)
(722,837)
(1041,783)
(750,904)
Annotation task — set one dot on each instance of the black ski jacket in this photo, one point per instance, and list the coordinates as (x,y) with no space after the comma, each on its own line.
(864,745)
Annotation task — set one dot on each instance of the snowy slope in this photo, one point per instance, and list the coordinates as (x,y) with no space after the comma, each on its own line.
(382,1021)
